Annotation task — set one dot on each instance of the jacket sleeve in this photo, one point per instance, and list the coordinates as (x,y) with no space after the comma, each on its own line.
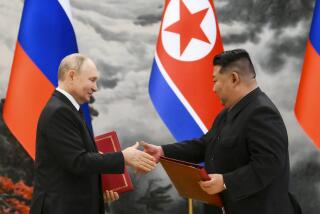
(268,148)
(192,150)
(65,143)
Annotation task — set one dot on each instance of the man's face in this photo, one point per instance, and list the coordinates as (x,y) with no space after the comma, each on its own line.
(222,85)
(85,82)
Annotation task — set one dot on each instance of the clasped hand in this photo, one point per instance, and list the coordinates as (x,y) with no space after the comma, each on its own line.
(213,186)
(141,161)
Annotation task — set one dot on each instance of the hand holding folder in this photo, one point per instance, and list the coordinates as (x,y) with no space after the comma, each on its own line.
(186,176)
(116,182)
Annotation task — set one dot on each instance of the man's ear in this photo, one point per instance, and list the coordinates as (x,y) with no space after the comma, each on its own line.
(71,74)
(235,78)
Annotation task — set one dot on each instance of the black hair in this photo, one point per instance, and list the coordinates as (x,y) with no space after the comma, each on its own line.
(235,58)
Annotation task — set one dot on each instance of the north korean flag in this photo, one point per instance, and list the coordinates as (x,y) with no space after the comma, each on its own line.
(181,83)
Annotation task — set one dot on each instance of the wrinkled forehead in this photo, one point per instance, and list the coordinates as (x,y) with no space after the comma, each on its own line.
(88,65)
(89,68)
(88,72)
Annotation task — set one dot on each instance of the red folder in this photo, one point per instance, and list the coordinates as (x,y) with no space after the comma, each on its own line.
(117,182)
(185,177)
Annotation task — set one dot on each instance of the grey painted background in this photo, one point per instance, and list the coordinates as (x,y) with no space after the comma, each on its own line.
(120,36)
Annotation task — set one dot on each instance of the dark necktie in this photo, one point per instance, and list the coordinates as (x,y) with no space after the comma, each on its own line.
(84,121)
(85,124)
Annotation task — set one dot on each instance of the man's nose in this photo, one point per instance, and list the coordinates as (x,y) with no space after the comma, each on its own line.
(95,87)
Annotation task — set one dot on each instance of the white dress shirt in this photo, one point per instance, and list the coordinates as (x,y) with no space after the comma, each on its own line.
(70,97)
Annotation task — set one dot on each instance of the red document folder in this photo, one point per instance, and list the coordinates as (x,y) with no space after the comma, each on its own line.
(185,177)
(117,182)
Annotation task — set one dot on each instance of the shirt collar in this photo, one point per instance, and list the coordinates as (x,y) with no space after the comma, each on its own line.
(70,97)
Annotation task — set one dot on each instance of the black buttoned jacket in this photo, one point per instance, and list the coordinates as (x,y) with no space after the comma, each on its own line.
(67,166)
(249,146)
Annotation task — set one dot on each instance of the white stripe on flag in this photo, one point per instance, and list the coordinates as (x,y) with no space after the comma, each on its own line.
(180,96)
(65,4)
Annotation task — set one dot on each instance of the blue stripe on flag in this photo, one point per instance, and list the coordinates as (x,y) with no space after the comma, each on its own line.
(46,35)
(170,108)
(315,27)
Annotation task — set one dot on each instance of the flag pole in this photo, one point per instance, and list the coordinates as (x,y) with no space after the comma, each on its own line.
(190,206)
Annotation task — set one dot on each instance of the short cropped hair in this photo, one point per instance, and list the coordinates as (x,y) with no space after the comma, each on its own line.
(238,59)
(70,62)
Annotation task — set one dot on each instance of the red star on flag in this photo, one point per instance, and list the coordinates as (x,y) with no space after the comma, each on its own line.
(188,26)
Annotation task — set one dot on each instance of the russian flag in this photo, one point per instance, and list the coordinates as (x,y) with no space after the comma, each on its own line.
(307,107)
(181,83)
(45,37)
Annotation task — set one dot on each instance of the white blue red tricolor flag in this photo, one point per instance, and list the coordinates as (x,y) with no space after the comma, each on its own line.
(307,108)
(45,36)
(181,83)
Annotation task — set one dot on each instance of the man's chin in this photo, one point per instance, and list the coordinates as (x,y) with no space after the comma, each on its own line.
(85,100)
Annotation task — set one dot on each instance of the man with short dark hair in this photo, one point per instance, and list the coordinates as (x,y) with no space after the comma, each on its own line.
(246,150)
(68,165)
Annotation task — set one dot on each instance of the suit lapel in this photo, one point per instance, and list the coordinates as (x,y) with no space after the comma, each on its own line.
(79,114)
(243,103)
(88,130)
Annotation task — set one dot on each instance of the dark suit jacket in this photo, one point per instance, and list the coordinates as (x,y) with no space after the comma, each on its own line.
(67,166)
(249,146)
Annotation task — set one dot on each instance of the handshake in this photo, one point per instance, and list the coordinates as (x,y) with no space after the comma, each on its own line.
(142,161)
(146,160)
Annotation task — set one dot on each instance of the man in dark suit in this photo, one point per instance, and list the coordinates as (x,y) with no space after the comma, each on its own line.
(68,165)
(246,150)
